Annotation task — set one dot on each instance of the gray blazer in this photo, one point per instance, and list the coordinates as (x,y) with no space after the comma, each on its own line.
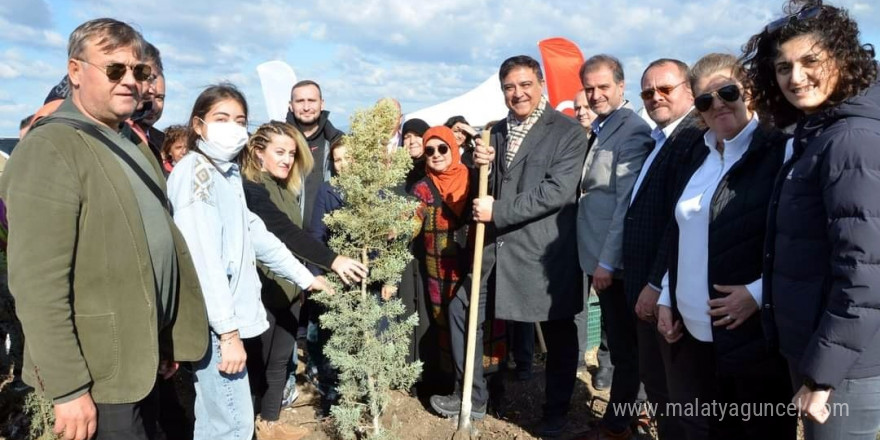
(531,240)
(609,174)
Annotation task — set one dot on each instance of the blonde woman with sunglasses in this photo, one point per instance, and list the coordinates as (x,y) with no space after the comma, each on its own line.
(711,292)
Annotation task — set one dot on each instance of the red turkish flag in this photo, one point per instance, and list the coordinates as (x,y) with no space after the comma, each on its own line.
(562,63)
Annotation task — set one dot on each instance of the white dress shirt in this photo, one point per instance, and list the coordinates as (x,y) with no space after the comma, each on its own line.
(692,215)
(659,135)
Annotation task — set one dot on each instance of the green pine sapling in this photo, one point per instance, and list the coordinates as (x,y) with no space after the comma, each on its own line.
(375,224)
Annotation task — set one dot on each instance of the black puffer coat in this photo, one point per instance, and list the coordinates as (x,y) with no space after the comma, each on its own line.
(822,256)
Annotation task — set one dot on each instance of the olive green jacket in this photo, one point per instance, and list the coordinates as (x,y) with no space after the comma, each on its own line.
(81,274)
(278,292)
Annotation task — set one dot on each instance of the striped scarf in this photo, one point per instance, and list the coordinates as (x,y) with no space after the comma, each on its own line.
(517,131)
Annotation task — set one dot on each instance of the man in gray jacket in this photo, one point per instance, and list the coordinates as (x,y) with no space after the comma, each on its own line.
(530,261)
(618,148)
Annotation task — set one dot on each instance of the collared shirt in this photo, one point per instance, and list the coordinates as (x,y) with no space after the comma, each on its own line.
(598,124)
(660,136)
(225,240)
(692,215)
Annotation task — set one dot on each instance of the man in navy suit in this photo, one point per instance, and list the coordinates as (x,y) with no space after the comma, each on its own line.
(668,101)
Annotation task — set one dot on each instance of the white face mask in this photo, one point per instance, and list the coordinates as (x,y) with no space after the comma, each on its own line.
(224,140)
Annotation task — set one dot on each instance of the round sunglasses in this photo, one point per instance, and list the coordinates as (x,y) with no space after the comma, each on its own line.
(115,71)
(442,149)
(728,93)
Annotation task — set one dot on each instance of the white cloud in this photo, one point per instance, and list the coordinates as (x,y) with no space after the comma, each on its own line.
(29,36)
(420,52)
(15,63)
(8,72)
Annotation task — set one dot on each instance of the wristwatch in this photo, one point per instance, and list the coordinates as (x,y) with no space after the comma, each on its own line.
(813,386)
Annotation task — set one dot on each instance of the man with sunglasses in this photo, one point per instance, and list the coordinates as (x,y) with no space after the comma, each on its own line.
(104,286)
(620,143)
(668,101)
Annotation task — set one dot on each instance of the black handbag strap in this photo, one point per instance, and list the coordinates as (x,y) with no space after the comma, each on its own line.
(94,132)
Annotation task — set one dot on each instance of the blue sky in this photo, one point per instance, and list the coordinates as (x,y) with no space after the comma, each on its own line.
(419,52)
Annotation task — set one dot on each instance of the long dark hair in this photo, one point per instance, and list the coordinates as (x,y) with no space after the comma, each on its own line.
(835,32)
(468,143)
(207,100)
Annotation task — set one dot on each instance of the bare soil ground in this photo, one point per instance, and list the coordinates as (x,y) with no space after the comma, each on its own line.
(410,418)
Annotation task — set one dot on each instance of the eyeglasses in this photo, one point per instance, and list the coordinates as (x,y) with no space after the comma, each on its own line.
(664,91)
(803,14)
(115,71)
(442,149)
(728,93)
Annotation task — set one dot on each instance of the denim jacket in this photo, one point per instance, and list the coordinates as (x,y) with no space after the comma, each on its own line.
(225,240)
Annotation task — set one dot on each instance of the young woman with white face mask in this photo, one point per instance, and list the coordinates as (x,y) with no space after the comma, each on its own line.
(225,240)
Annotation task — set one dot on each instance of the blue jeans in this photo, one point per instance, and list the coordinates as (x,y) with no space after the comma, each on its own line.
(223,407)
(855,410)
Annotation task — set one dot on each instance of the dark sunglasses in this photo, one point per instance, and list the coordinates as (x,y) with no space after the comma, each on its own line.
(442,148)
(803,14)
(729,93)
(662,90)
(115,71)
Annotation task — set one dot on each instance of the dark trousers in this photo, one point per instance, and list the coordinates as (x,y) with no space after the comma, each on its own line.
(176,404)
(693,379)
(854,406)
(267,359)
(623,344)
(653,356)
(764,387)
(560,336)
(129,421)
(458,321)
(523,344)
(561,372)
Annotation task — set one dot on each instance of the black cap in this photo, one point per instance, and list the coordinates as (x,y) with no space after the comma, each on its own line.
(416,126)
(60,91)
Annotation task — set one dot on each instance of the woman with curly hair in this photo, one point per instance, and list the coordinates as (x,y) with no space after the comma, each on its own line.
(174,146)
(821,274)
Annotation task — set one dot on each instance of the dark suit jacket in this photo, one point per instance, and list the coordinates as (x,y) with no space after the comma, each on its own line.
(610,171)
(155,139)
(532,234)
(651,210)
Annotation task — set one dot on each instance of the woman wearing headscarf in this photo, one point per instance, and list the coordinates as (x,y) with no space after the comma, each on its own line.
(444,194)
